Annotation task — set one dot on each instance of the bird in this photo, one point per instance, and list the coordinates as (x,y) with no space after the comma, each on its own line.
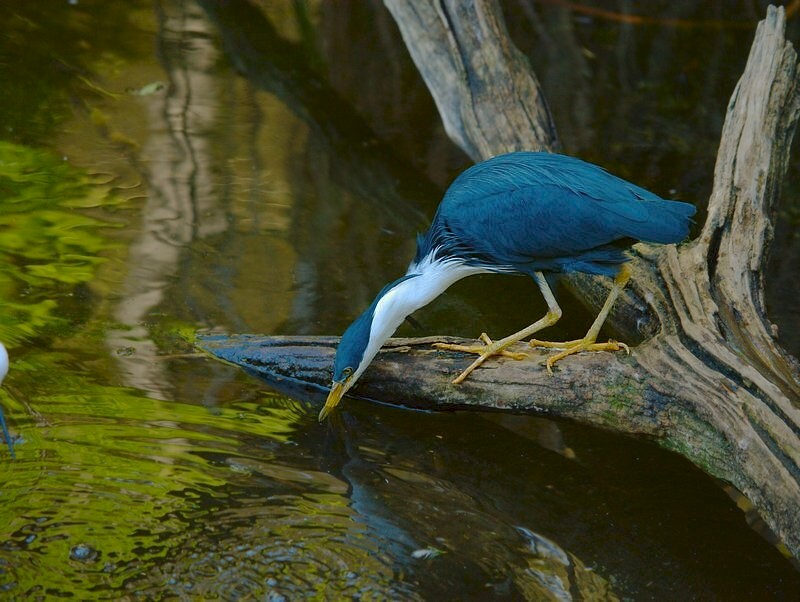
(3,372)
(533,213)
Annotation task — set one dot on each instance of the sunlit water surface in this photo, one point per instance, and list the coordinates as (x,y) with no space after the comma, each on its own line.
(150,191)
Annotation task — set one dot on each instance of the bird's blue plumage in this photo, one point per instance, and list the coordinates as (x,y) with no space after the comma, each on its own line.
(527,212)
(355,338)
(530,213)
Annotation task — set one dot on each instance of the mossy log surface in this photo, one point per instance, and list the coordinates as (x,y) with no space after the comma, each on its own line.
(709,380)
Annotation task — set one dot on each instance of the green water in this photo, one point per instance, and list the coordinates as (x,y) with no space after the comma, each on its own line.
(161,173)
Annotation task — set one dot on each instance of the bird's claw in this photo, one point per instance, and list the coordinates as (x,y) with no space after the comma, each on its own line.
(481,350)
(484,352)
(490,349)
(573,347)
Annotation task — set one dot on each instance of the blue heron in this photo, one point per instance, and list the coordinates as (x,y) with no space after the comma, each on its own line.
(526,213)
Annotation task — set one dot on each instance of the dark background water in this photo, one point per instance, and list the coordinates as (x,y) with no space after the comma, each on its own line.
(173,166)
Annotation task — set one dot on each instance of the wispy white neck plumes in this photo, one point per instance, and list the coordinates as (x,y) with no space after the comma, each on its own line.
(425,280)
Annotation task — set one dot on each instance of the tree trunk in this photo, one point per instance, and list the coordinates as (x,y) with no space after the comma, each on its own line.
(710,381)
(488,97)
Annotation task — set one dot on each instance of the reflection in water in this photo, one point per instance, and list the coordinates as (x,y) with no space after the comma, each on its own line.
(181,205)
(238,504)
(269,204)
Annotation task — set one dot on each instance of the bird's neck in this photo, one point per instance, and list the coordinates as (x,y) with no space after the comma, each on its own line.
(425,280)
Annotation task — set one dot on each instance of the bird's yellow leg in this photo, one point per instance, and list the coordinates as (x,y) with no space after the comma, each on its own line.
(491,348)
(587,343)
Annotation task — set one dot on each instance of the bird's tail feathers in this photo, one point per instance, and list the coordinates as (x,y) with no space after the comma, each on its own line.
(667,222)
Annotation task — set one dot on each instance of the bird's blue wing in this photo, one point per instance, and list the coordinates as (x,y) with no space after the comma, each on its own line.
(514,171)
(522,207)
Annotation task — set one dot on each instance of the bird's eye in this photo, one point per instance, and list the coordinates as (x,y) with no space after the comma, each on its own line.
(347,372)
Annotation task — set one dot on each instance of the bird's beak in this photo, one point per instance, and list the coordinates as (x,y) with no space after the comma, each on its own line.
(338,389)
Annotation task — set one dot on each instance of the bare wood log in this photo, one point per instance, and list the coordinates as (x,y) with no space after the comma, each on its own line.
(487,95)
(718,340)
(711,382)
(601,389)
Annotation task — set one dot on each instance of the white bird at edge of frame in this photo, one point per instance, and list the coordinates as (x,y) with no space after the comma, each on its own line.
(3,372)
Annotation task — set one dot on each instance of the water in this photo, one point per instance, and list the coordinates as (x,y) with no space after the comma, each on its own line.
(149,191)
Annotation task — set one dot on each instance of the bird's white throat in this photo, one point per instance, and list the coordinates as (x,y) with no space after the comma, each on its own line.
(424,282)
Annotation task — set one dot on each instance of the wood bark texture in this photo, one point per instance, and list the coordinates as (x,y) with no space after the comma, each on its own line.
(487,94)
(710,381)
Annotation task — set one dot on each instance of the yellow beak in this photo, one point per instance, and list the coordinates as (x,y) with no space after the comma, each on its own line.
(338,390)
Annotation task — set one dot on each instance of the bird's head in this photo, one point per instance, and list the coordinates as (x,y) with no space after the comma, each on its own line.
(363,338)
(351,360)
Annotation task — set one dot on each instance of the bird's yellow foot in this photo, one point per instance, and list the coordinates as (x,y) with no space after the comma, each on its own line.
(484,352)
(577,346)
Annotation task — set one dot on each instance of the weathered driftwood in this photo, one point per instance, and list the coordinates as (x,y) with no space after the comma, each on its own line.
(711,381)
(601,389)
(488,97)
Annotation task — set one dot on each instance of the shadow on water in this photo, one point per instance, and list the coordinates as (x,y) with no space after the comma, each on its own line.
(149,190)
